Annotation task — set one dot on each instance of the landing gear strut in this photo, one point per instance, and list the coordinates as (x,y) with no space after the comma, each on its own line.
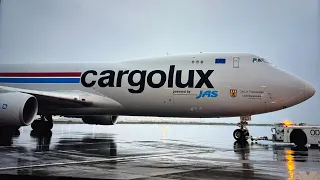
(45,123)
(242,134)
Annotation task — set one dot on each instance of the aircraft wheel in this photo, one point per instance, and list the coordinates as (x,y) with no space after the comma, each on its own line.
(241,135)
(238,134)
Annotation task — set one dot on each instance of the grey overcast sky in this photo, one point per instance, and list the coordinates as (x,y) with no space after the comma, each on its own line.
(285,32)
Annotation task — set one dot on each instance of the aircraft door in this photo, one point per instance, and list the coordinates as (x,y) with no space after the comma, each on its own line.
(185,102)
(271,101)
(236,61)
(166,97)
(266,98)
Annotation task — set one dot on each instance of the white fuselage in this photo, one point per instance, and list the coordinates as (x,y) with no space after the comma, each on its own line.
(150,87)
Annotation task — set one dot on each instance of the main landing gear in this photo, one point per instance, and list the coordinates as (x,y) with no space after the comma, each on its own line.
(43,124)
(242,134)
(7,133)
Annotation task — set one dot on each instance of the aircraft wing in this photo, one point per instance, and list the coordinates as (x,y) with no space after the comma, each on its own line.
(66,99)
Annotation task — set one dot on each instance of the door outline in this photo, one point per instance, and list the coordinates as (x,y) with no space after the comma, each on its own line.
(266,98)
(236,61)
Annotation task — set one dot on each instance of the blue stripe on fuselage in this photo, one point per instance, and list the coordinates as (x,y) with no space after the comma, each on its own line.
(40,80)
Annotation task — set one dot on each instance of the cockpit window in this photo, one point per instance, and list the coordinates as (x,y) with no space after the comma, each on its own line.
(260,60)
(263,60)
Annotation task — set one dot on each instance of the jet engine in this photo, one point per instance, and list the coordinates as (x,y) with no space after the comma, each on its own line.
(100,119)
(17,109)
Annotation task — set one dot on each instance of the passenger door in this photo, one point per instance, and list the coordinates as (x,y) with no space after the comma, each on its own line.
(236,62)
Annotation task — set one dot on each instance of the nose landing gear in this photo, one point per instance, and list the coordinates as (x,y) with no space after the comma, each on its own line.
(242,134)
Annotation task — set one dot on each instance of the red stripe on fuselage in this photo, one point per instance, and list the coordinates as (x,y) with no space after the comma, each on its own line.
(40,74)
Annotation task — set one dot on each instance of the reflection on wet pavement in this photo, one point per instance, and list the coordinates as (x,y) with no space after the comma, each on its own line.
(150,151)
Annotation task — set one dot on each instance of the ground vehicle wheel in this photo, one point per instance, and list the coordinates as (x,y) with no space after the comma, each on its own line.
(298,137)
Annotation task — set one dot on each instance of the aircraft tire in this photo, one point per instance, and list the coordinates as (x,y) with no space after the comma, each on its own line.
(241,135)
(238,135)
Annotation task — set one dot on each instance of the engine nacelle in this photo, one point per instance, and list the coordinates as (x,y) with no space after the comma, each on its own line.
(100,119)
(17,109)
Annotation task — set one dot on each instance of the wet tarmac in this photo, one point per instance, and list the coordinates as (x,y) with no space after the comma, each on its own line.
(136,151)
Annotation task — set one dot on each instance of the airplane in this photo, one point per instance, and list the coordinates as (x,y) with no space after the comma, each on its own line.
(199,85)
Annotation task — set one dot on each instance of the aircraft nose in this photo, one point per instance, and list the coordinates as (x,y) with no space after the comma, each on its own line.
(309,91)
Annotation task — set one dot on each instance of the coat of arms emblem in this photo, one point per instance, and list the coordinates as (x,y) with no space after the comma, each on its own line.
(233,93)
